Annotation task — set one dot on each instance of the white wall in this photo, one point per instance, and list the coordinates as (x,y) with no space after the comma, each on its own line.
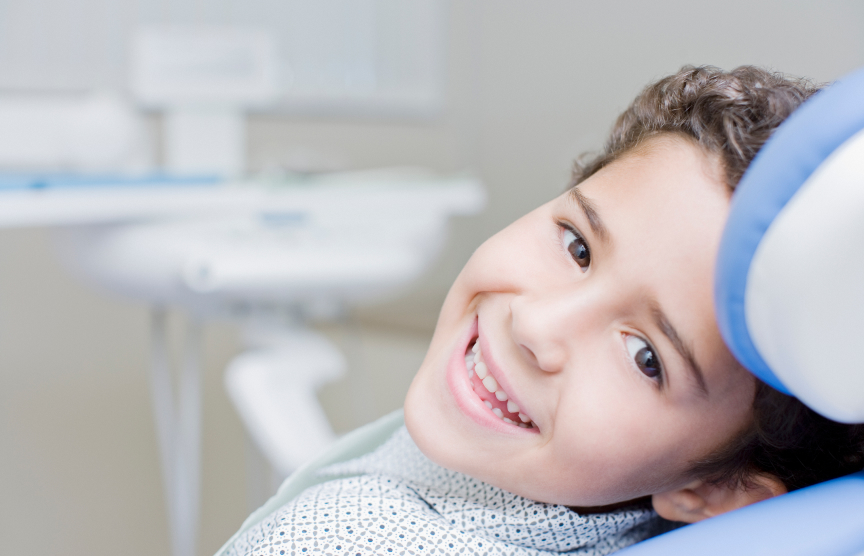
(530,85)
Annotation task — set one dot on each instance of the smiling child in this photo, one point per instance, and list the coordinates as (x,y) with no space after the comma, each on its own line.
(576,377)
(592,320)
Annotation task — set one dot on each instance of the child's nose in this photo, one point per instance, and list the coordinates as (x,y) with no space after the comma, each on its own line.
(553,328)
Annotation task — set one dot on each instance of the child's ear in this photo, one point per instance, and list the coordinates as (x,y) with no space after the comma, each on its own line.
(700,500)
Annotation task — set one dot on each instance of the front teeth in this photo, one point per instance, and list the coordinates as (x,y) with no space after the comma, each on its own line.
(475,365)
(481,370)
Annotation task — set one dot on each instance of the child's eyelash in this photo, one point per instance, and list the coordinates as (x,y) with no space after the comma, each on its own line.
(581,252)
(569,227)
(638,350)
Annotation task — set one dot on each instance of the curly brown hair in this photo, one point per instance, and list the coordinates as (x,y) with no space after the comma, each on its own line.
(731,115)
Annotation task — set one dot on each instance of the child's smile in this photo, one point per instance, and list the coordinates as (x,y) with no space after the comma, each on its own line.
(492,391)
(601,375)
(482,390)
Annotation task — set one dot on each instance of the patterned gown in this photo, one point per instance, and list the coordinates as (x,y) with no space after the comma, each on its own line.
(396,501)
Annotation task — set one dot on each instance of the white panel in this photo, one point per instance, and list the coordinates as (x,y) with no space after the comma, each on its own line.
(71,132)
(203,65)
(336,56)
(805,288)
(205,142)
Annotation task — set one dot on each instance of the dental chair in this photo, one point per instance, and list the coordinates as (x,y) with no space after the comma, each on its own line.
(790,304)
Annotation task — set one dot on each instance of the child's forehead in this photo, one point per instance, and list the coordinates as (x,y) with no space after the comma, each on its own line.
(672,151)
(667,183)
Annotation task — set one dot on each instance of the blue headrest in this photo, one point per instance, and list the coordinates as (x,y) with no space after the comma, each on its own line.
(789,290)
(821,520)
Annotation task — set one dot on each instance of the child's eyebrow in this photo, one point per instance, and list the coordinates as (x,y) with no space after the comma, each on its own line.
(594,220)
(662,322)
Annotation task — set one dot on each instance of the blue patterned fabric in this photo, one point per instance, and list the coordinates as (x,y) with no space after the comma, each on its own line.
(396,501)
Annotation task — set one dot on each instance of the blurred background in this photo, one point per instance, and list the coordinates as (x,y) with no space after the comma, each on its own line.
(508,91)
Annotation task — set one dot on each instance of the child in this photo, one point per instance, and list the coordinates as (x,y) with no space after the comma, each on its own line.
(576,376)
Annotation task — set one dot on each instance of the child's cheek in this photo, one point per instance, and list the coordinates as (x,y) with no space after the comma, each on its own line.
(505,262)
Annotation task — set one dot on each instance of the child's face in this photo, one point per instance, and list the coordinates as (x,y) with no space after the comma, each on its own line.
(608,344)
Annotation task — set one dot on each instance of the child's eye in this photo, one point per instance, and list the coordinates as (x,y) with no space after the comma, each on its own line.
(577,247)
(644,356)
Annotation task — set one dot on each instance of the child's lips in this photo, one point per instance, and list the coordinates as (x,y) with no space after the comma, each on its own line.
(467,399)
(513,405)
(486,387)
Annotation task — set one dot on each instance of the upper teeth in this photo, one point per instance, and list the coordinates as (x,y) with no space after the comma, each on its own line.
(481,370)
(475,364)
